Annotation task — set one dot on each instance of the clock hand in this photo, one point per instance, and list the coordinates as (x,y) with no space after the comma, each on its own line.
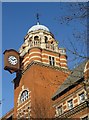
(12,59)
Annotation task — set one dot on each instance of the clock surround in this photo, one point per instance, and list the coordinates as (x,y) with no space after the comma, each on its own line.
(11,60)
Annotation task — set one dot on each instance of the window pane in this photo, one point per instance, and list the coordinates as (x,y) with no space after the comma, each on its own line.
(51,61)
(82,97)
(50,58)
(59,109)
(46,39)
(70,104)
(24,96)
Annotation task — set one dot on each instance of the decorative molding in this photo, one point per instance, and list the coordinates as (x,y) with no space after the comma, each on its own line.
(25,58)
(23,105)
(75,110)
(34,53)
(85,69)
(23,89)
(69,96)
(63,59)
(63,63)
(34,57)
(26,62)
(45,65)
(64,67)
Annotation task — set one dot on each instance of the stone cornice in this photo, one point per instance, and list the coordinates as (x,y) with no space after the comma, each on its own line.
(74,110)
(45,65)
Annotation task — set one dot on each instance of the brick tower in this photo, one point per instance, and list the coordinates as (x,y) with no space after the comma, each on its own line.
(43,67)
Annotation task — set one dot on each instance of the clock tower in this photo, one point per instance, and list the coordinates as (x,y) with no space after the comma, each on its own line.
(40,66)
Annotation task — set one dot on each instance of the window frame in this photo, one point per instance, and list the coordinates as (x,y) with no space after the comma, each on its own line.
(46,39)
(80,101)
(69,108)
(36,37)
(24,96)
(59,109)
(51,60)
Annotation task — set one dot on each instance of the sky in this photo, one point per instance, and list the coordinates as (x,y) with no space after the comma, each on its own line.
(18,17)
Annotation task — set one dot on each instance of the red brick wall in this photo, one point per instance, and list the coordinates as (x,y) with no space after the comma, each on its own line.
(43,83)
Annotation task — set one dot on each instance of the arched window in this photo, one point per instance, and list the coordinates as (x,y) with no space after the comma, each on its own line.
(46,39)
(36,38)
(24,96)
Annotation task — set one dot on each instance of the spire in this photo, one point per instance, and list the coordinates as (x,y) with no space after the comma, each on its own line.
(37,16)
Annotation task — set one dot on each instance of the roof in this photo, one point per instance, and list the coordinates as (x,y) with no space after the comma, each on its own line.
(38,27)
(74,77)
(8,114)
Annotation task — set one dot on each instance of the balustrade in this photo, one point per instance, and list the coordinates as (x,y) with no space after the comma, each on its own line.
(36,43)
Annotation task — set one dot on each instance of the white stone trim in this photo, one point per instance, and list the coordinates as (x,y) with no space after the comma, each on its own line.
(23,89)
(26,62)
(44,58)
(86,70)
(34,57)
(31,54)
(45,62)
(34,53)
(86,66)
(57,62)
(37,60)
(50,55)
(25,58)
(45,54)
(10,115)
(63,59)
(64,67)
(75,98)
(63,63)
(24,105)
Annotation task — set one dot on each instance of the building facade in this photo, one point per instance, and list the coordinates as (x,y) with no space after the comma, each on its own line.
(72,98)
(43,68)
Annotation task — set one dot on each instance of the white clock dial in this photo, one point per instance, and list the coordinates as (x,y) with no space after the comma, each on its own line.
(12,60)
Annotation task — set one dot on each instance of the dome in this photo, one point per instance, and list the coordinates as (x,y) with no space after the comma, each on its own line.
(38,27)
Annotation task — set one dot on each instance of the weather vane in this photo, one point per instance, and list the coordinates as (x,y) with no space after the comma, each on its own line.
(37,16)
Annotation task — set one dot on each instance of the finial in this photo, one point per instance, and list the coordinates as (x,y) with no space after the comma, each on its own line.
(37,15)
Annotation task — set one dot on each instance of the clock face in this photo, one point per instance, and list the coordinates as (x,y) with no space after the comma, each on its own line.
(12,60)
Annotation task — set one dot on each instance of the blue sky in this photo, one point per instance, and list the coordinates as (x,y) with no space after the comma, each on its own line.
(17,18)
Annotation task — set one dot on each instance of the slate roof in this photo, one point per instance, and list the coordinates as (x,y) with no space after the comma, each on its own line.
(74,77)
